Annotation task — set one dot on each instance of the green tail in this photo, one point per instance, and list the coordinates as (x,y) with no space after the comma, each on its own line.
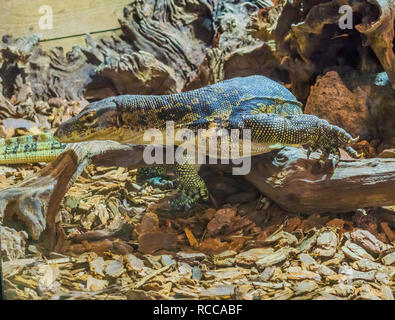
(30,149)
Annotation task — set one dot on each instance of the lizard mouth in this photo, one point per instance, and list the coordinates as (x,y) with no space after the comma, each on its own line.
(87,135)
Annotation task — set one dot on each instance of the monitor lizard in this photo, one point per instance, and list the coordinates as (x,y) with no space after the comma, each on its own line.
(270,111)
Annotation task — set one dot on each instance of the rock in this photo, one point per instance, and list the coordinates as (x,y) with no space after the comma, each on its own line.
(333,101)
(47,279)
(149,223)
(32,249)
(270,285)
(179,293)
(336,260)
(213,246)
(18,123)
(273,238)
(245,292)
(287,239)
(154,261)
(228,262)
(336,223)
(71,201)
(341,289)
(322,270)
(283,295)
(314,266)
(185,269)
(292,224)
(281,239)
(251,256)
(367,293)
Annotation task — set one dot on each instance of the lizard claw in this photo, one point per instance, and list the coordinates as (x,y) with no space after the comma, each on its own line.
(308,152)
(335,161)
(353,140)
(159,182)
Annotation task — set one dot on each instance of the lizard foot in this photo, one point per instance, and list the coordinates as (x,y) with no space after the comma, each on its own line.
(159,182)
(186,200)
(155,176)
(329,140)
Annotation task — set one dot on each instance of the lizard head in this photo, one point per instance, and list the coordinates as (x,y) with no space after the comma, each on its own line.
(99,120)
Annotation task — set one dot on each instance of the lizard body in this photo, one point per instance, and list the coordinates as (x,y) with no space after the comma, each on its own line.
(270,111)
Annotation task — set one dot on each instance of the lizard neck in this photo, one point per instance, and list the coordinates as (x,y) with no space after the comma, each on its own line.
(153,111)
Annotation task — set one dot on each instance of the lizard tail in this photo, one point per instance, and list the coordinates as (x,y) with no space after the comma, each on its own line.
(30,149)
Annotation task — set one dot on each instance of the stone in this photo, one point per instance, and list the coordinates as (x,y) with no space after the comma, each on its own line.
(333,101)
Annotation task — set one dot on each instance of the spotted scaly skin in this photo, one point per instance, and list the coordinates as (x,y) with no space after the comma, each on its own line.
(268,109)
(30,149)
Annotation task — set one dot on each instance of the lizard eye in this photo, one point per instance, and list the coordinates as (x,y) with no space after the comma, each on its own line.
(89,119)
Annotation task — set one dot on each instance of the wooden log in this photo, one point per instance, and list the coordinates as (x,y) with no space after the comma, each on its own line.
(297,184)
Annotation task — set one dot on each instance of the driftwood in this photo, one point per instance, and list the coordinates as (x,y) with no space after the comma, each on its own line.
(35,201)
(294,182)
(301,185)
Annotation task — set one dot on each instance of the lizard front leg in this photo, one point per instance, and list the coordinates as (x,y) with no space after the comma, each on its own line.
(304,129)
(191,187)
